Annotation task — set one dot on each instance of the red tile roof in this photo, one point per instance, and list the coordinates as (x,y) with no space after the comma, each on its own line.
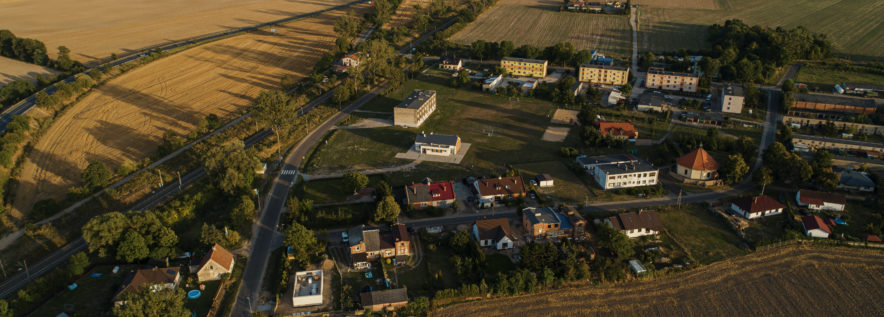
(430,192)
(871,238)
(221,256)
(617,129)
(699,160)
(814,222)
(817,198)
(758,204)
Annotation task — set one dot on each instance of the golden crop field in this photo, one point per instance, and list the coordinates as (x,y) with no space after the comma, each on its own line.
(405,13)
(539,23)
(93,29)
(787,281)
(853,26)
(125,118)
(12,70)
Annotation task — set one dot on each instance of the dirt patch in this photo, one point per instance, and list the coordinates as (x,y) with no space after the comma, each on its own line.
(125,118)
(97,28)
(555,134)
(818,280)
(564,116)
(12,70)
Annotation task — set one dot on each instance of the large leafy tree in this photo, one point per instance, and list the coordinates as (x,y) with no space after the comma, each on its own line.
(230,165)
(615,241)
(130,237)
(734,169)
(303,243)
(387,210)
(146,303)
(354,181)
(96,175)
(275,109)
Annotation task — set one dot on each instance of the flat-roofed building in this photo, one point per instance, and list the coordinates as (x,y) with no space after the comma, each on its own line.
(415,109)
(658,78)
(619,171)
(437,144)
(655,101)
(732,98)
(814,143)
(603,74)
(524,67)
(831,107)
(307,289)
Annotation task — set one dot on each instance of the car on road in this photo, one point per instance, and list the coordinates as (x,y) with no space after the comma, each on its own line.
(345,237)
(533,196)
(533,182)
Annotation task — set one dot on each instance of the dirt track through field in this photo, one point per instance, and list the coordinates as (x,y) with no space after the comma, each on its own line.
(12,70)
(792,281)
(94,29)
(125,118)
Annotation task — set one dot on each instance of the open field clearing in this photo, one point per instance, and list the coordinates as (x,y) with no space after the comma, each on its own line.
(706,237)
(789,281)
(539,23)
(855,27)
(826,76)
(94,29)
(125,118)
(12,70)
(405,13)
(692,4)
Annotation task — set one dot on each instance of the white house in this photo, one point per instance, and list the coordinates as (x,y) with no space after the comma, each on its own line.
(619,171)
(308,289)
(758,206)
(216,263)
(450,63)
(350,60)
(492,82)
(544,180)
(815,227)
(437,144)
(636,224)
(494,232)
(819,201)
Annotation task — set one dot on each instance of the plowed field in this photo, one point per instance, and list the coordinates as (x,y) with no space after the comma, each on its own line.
(126,117)
(791,281)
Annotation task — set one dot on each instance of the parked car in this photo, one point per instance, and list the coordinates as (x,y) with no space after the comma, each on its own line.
(533,182)
(533,196)
(345,237)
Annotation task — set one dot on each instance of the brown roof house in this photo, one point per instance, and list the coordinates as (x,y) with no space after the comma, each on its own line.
(156,279)
(494,189)
(818,201)
(636,224)
(430,194)
(815,227)
(758,206)
(390,299)
(494,232)
(697,167)
(369,244)
(216,263)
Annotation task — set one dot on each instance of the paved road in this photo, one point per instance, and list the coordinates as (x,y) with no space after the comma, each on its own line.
(265,235)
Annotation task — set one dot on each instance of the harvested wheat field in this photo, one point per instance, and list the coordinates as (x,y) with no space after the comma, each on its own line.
(405,13)
(12,70)
(790,281)
(94,29)
(539,23)
(125,118)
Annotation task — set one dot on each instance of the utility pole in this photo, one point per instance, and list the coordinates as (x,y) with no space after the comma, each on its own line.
(678,204)
(258,199)
(160,174)
(27,272)
(3,268)
(179,182)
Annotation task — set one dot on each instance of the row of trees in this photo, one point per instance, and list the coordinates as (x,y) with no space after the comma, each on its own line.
(792,169)
(34,52)
(130,237)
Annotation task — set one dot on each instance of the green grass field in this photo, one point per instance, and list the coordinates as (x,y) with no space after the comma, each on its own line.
(854,26)
(706,237)
(567,187)
(539,23)
(360,149)
(824,76)
(92,297)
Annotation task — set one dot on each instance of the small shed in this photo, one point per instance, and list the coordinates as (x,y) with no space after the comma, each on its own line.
(544,180)
(637,267)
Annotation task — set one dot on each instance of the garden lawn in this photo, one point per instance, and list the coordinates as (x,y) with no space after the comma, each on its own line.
(92,297)
(567,187)
(707,238)
(825,76)
(345,149)
(435,271)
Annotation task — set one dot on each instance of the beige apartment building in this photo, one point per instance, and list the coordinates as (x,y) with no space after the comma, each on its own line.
(603,74)
(415,109)
(660,79)
(732,98)
(524,67)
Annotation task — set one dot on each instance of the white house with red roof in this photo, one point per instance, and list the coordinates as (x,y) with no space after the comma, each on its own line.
(819,201)
(757,206)
(697,165)
(430,194)
(617,130)
(815,227)
(215,264)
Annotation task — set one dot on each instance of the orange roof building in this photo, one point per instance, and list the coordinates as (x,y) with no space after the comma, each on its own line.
(618,130)
(215,264)
(697,165)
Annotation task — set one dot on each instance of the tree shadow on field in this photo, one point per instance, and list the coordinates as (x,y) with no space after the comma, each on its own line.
(153,107)
(132,143)
(42,188)
(263,83)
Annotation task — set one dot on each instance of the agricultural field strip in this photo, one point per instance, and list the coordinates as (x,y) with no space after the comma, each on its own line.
(12,70)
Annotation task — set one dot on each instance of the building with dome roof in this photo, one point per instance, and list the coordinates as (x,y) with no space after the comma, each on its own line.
(697,167)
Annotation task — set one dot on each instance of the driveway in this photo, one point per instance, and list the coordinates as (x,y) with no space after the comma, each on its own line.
(463,192)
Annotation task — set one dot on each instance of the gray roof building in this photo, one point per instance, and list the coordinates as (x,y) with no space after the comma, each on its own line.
(417,99)
(436,139)
(541,215)
(625,168)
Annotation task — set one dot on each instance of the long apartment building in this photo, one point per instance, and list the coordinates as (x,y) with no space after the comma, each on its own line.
(524,67)
(830,107)
(619,171)
(415,109)
(660,79)
(814,143)
(603,74)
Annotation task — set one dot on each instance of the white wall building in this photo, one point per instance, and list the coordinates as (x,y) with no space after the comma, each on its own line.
(619,171)
(636,224)
(819,201)
(732,99)
(755,207)
(437,144)
(307,288)
(494,233)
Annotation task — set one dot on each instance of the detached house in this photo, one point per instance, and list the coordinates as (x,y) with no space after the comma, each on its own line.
(369,244)
(758,206)
(491,190)
(636,224)
(450,63)
(429,194)
(576,219)
(156,279)
(815,227)
(547,223)
(437,144)
(494,233)
(216,263)
(818,201)
(618,130)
